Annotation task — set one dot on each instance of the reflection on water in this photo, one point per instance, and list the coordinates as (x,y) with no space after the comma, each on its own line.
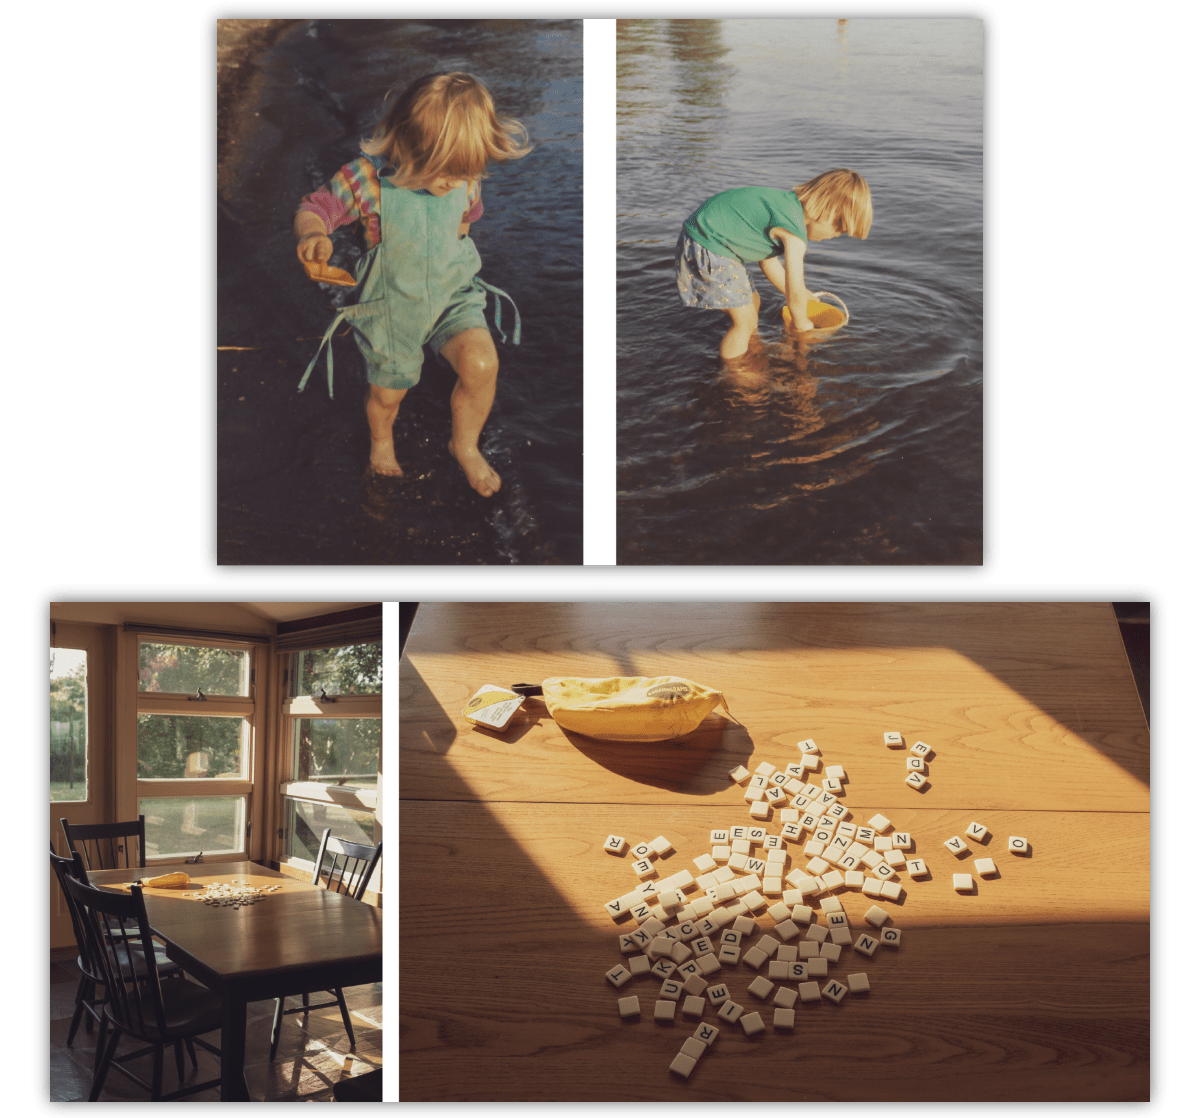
(865,448)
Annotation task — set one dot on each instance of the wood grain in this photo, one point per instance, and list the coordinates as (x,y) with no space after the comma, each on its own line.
(1036,987)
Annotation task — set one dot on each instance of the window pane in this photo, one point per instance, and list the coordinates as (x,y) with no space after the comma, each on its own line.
(68,724)
(186,747)
(342,751)
(179,669)
(187,826)
(356,669)
(306,822)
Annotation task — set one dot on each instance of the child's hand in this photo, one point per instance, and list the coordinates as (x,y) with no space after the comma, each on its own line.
(315,248)
(800,320)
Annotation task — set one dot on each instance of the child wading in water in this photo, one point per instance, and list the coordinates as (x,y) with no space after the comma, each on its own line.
(773,227)
(417,282)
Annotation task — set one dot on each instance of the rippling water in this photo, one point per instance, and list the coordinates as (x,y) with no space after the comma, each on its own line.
(867,448)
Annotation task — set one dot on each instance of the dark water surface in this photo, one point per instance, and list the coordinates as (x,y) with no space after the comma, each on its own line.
(867,449)
(292,484)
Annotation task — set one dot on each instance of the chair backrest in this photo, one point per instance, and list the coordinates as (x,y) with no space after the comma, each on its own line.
(107,846)
(109,921)
(72,869)
(347,866)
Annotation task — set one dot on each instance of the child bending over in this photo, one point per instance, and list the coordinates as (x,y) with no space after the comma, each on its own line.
(772,227)
(417,282)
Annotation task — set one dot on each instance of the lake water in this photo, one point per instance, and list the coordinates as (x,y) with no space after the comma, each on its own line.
(867,449)
(292,485)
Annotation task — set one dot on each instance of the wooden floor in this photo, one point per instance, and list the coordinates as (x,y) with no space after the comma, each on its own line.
(1034,987)
(313,1051)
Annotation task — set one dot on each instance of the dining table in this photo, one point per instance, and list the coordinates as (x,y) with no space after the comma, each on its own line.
(298,938)
(1025,980)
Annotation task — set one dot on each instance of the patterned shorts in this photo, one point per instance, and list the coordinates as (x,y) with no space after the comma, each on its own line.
(710,281)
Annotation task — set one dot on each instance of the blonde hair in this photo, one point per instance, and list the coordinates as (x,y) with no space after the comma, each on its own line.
(445,125)
(840,197)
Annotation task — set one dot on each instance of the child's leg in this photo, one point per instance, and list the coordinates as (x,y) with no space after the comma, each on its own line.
(382,406)
(472,355)
(745,323)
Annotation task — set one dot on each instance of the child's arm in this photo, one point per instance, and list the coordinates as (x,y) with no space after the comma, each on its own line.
(474,210)
(788,276)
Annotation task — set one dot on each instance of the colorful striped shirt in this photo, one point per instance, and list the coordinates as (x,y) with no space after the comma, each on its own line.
(353,195)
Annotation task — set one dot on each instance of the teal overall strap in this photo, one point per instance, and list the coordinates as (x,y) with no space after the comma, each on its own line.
(517,326)
(325,341)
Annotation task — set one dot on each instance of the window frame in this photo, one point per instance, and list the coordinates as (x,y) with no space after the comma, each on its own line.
(132,702)
(294,708)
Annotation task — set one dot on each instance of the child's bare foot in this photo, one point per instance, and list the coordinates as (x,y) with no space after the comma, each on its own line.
(383,458)
(480,476)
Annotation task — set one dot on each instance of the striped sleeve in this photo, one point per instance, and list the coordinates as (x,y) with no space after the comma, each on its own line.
(351,195)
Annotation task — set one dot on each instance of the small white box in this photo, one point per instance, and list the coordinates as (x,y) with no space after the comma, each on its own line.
(833,951)
(705,863)
(893,740)
(761,987)
(661,846)
(879,822)
(671,990)
(876,916)
(693,1006)
(963,883)
(707,1034)
(865,945)
(916,780)
(615,844)
(955,845)
(787,929)
(809,991)
(1018,845)
(890,937)
(890,889)
(760,809)
(818,966)
(916,867)
(807,746)
(739,774)
(785,997)
(921,750)
(915,764)
(985,867)
(901,840)
(854,879)
(618,976)
(730,1011)
(765,769)
(784,1018)
(629,1007)
(717,994)
(639,964)
(858,983)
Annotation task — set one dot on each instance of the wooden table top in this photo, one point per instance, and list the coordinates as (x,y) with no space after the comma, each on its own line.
(298,927)
(1034,987)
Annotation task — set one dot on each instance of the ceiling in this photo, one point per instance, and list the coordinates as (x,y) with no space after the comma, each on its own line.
(294,611)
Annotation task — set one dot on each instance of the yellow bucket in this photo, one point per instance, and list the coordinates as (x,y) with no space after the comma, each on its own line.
(825,318)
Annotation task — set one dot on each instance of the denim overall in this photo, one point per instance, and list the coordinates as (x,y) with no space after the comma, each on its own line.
(416,287)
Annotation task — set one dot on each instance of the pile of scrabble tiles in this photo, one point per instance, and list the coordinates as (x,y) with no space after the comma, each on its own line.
(686,929)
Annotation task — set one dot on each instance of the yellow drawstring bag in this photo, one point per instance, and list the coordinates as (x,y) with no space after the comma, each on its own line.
(630,708)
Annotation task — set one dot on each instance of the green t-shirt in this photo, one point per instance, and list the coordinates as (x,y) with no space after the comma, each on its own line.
(735,223)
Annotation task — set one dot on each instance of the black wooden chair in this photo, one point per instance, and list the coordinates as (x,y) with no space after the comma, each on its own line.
(89,1006)
(140,1002)
(106,846)
(349,869)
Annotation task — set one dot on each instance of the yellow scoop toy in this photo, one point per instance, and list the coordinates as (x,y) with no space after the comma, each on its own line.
(327,273)
(826,319)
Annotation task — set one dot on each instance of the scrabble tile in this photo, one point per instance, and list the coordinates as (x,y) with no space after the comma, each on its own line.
(700,907)
(818,966)
(833,879)
(730,956)
(809,991)
(693,1006)
(707,1034)
(618,976)
(854,879)
(901,840)
(811,762)
(785,997)
(629,1007)
(729,1012)
(737,908)
(872,886)
(921,750)
(915,765)
(663,968)
(872,858)
(660,912)
(1018,845)
(839,811)
(963,883)
(883,871)
(721,853)
(718,837)
(760,809)
(894,858)
(761,987)
(890,889)
(955,845)
(717,994)
(708,963)
(876,916)
(814,848)
(835,772)
(858,983)
(830,904)
(784,1018)
(777,970)
(752,1023)
(754,900)
(681,1065)
(739,832)
(883,843)
(786,952)
(893,740)
(772,886)
(739,774)
(681,953)
(777,856)
(755,866)
(644,868)
(833,951)
(807,746)
(985,867)
(916,867)
(879,822)
(865,945)
(779,912)
(682,880)
(818,933)
(834,991)
(834,786)
(793,785)
(792,832)
(765,769)
(839,937)
(838,845)
(768,944)
(802,914)
(806,949)
(890,937)
(615,844)
(671,990)
(670,899)
(741,846)
(695,984)
(817,866)
(641,850)
(802,883)
(707,881)
(705,863)
(745,925)
(639,964)
(628,944)
(755,958)
(738,862)
(647,890)
(916,780)
(756,835)
(787,929)
(838,919)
